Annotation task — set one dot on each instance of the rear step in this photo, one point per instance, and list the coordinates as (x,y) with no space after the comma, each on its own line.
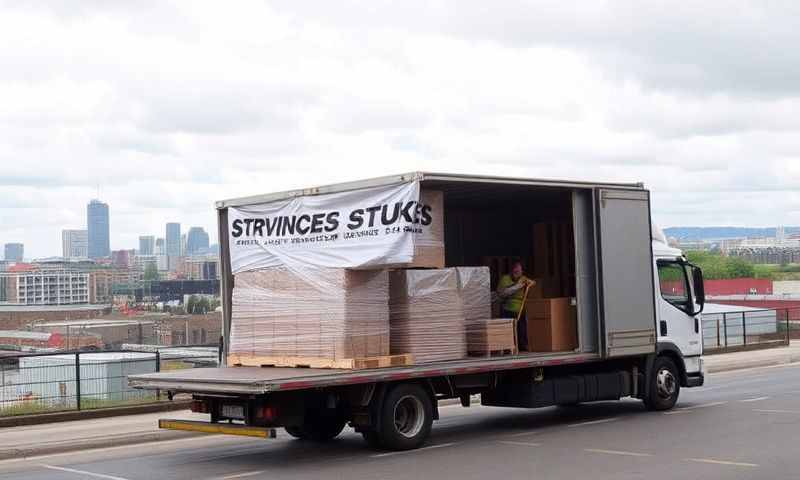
(223,428)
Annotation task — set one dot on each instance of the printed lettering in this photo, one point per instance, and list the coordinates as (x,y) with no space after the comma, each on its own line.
(237,228)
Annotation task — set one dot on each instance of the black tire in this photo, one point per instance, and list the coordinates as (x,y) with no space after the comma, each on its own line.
(373,439)
(321,429)
(296,432)
(406,417)
(664,387)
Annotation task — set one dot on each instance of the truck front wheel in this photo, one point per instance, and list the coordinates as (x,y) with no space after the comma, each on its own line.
(664,385)
(406,417)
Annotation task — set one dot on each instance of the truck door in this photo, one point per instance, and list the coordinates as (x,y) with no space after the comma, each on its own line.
(625,258)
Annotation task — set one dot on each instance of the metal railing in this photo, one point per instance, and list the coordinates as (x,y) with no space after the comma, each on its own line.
(62,381)
(749,329)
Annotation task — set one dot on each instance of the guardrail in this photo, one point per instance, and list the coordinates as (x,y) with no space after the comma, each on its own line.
(726,332)
(81,380)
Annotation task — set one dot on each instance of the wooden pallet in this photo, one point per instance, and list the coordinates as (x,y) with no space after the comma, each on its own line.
(493,353)
(238,360)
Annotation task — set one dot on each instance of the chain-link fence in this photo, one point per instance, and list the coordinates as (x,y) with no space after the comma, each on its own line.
(749,329)
(52,382)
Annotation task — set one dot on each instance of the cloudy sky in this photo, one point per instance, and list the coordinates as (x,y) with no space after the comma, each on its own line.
(164,108)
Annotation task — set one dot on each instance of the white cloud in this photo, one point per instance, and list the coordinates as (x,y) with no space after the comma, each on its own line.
(170,106)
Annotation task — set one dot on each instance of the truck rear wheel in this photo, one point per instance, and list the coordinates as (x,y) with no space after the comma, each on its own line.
(664,386)
(406,417)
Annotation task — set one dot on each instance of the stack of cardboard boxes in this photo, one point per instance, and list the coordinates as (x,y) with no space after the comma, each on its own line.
(550,308)
(426,315)
(321,312)
(328,313)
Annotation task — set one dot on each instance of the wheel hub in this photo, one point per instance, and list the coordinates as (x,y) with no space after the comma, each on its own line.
(409,416)
(665,383)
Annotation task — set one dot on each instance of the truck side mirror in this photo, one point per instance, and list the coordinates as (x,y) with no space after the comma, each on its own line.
(699,287)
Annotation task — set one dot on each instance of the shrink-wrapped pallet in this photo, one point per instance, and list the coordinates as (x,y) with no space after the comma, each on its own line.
(426,316)
(485,334)
(474,286)
(320,312)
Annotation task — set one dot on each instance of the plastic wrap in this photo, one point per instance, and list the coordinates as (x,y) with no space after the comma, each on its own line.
(310,312)
(426,316)
(485,335)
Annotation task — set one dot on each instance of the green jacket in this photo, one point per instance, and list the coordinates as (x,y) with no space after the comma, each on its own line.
(514,302)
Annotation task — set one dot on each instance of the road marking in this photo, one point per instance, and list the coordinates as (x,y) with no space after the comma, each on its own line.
(695,407)
(525,434)
(520,444)
(721,462)
(82,472)
(775,411)
(757,399)
(243,475)
(593,422)
(618,452)
(389,454)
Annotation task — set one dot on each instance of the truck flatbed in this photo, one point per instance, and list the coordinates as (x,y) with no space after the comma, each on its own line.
(261,380)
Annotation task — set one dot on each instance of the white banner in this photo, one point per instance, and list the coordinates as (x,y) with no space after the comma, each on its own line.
(356,229)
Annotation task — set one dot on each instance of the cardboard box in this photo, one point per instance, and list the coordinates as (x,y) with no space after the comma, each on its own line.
(552,325)
(322,313)
(429,247)
(426,316)
(490,335)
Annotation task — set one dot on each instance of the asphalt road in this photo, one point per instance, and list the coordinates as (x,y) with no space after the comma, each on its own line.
(743,424)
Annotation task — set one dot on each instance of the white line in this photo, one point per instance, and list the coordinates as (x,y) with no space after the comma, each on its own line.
(695,407)
(242,475)
(520,444)
(775,411)
(525,434)
(593,422)
(82,472)
(721,462)
(618,452)
(389,454)
(757,399)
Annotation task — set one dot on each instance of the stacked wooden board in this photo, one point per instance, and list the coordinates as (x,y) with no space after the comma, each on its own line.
(331,314)
(426,315)
(491,337)
(486,336)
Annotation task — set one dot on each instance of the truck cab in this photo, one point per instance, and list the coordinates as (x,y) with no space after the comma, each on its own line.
(679,305)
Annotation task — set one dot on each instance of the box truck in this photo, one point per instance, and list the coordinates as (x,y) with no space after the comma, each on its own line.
(637,305)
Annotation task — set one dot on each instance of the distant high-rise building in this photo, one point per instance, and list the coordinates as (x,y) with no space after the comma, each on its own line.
(161,248)
(196,241)
(147,245)
(173,245)
(74,243)
(183,245)
(13,252)
(97,225)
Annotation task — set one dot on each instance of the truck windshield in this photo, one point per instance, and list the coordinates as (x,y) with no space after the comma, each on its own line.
(672,280)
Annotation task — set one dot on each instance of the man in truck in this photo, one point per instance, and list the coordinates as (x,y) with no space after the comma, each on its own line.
(511,290)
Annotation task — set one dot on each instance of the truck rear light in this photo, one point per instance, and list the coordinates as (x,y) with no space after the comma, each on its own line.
(267,413)
(199,406)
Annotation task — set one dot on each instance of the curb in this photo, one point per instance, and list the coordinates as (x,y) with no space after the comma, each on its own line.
(24,420)
(26,451)
(742,365)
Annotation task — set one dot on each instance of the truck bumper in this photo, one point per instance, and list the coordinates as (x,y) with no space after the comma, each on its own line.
(218,428)
(695,380)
